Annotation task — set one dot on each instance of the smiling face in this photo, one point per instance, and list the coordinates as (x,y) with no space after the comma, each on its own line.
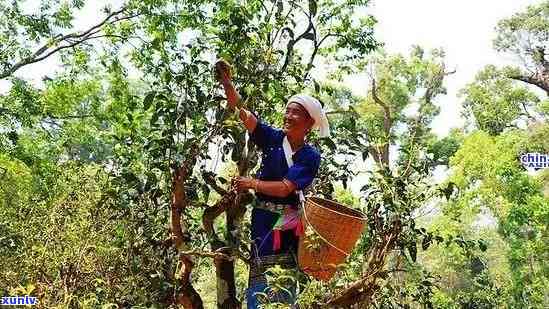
(297,121)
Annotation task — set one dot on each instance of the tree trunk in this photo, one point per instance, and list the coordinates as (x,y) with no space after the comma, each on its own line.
(186,295)
(234,206)
(226,288)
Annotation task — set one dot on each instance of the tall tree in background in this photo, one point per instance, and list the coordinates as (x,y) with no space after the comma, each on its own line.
(496,103)
(526,35)
(395,116)
(489,178)
(511,118)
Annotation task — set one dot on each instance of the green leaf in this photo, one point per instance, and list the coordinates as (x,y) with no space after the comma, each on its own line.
(131,179)
(412,250)
(313,7)
(156,44)
(206,190)
(149,98)
(482,245)
(330,143)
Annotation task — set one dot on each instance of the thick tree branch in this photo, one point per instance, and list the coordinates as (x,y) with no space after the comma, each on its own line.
(540,79)
(364,289)
(186,294)
(316,46)
(211,213)
(291,44)
(387,121)
(73,39)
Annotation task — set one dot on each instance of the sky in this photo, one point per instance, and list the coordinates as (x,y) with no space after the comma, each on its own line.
(464,29)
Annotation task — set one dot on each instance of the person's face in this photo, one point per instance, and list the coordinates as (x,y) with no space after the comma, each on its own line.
(297,120)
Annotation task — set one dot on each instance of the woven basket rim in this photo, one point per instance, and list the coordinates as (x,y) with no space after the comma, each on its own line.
(360,216)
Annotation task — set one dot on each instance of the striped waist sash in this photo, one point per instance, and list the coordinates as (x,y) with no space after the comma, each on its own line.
(272,207)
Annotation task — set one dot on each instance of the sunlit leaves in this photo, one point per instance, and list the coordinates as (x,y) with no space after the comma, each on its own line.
(524,30)
(15,185)
(489,171)
(495,102)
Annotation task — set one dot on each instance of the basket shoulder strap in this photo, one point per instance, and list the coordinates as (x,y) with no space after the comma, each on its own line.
(288,154)
(287,151)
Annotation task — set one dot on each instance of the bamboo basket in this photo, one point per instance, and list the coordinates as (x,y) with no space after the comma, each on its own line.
(331,231)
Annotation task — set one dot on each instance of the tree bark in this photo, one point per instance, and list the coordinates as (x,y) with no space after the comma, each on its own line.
(540,79)
(186,295)
(234,207)
(224,268)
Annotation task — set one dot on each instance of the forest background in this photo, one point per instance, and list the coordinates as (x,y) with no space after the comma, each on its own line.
(115,161)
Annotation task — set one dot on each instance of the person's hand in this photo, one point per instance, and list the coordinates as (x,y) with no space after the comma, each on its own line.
(243,183)
(223,71)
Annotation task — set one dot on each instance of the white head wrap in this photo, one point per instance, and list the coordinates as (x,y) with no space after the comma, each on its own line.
(315,110)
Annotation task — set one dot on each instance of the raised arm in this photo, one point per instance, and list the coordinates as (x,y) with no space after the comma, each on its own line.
(224,77)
